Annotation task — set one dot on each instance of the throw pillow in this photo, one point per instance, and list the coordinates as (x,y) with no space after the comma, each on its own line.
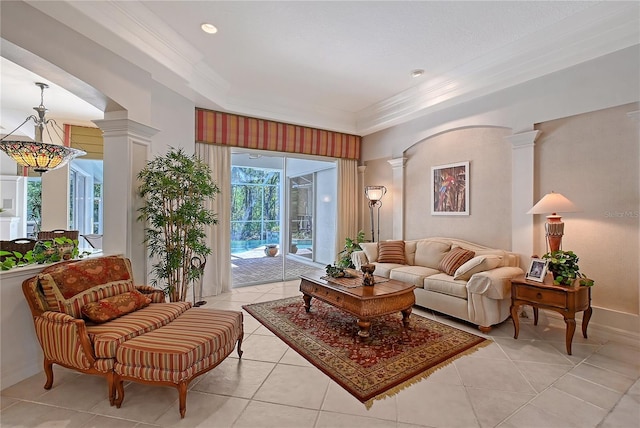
(430,252)
(68,287)
(370,250)
(454,259)
(115,306)
(391,252)
(477,264)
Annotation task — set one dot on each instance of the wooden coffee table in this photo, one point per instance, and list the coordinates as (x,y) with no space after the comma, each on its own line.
(365,303)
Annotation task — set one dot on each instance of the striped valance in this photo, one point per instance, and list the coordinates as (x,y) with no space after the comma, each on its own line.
(85,138)
(215,127)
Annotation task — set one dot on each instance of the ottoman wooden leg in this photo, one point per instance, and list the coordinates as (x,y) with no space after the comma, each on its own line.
(112,388)
(119,390)
(182,391)
(240,351)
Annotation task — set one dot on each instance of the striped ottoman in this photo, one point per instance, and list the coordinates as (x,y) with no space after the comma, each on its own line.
(192,344)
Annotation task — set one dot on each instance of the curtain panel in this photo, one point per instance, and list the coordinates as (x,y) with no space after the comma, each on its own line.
(348,206)
(215,127)
(217,272)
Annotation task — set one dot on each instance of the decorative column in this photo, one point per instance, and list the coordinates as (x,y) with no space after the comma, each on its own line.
(397,196)
(522,196)
(126,150)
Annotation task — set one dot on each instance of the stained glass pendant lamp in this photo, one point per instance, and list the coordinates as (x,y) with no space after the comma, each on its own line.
(39,156)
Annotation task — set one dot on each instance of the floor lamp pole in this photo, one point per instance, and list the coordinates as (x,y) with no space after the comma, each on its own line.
(372,205)
(373,236)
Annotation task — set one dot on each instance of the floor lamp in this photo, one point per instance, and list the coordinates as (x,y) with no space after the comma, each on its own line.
(553,203)
(374,195)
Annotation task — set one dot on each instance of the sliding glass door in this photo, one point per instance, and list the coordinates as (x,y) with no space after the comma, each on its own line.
(277,201)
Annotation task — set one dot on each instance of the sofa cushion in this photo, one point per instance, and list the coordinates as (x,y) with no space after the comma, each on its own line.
(454,259)
(410,252)
(370,250)
(113,307)
(429,253)
(412,274)
(384,269)
(477,264)
(106,337)
(196,341)
(445,284)
(70,286)
(391,252)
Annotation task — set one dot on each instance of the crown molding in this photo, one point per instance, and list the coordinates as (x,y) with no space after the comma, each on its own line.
(600,30)
(132,31)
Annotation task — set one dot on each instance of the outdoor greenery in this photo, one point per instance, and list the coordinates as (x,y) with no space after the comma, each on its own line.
(564,265)
(34,202)
(255,210)
(174,188)
(51,251)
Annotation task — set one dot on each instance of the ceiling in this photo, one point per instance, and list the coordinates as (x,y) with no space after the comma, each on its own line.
(336,65)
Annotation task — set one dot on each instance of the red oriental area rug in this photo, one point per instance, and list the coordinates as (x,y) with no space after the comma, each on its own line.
(391,359)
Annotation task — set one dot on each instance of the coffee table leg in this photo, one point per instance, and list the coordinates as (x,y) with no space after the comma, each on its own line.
(405,317)
(307,302)
(364,326)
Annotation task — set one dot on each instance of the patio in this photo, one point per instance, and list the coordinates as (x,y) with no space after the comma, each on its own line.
(254,267)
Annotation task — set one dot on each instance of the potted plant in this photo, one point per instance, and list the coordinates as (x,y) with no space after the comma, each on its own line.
(174,188)
(565,269)
(271,250)
(50,251)
(350,246)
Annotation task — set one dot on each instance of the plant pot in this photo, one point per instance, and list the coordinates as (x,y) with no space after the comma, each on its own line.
(293,249)
(270,250)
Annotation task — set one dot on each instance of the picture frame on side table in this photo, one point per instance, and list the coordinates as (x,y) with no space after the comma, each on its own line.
(537,270)
(450,189)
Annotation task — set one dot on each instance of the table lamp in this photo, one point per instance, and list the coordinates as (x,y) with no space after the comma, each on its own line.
(553,203)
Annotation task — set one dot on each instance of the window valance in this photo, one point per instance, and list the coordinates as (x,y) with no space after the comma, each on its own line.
(215,127)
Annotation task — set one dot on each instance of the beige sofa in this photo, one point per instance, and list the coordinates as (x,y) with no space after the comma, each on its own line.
(476,288)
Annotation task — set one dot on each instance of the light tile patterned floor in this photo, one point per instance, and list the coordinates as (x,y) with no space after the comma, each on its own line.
(529,382)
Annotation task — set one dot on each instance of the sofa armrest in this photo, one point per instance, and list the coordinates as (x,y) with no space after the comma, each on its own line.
(156,296)
(359,258)
(64,340)
(494,283)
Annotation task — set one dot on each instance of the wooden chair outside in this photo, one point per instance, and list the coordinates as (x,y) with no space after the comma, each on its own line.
(58,233)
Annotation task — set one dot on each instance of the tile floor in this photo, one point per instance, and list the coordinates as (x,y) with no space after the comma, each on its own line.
(529,382)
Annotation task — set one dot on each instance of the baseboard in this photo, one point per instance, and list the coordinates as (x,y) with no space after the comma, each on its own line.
(614,325)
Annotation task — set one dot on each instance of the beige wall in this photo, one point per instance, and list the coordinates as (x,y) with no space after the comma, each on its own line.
(489,157)
(379,173)
(593,159)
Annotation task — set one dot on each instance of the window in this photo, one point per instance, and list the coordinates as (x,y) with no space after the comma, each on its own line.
(86,192)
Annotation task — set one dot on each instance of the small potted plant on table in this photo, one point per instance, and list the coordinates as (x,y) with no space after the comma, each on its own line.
(565,269)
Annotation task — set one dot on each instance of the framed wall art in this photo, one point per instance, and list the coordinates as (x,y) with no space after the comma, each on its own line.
(450,189)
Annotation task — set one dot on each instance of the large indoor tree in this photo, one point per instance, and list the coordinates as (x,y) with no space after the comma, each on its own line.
(174,188)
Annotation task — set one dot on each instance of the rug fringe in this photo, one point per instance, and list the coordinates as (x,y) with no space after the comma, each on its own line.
(422,375)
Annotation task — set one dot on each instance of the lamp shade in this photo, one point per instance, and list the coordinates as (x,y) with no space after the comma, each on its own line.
(375,193)
(39,156)
(553,203)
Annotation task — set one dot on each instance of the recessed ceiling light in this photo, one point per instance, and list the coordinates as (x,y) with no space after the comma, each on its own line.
(209,28)
(417,73)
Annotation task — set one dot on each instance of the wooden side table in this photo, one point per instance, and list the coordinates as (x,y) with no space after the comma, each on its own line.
(567,300)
